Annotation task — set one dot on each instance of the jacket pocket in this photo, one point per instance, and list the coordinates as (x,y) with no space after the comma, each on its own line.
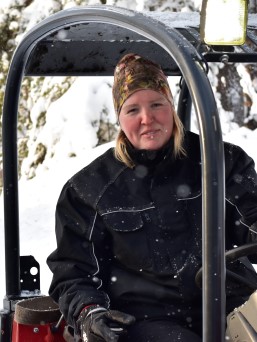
(123,221)
(130,243)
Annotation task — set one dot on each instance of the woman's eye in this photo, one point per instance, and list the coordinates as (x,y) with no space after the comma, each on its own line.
(157,104)
(132,111)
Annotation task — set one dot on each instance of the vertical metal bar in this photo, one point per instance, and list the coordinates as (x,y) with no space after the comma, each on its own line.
(10,181)
(213,207)
(214,297)
(5,326)
(184,106)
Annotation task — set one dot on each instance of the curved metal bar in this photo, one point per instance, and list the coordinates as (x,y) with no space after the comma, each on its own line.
(189,61)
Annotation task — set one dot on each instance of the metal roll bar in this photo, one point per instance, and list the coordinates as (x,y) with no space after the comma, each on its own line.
(190,64)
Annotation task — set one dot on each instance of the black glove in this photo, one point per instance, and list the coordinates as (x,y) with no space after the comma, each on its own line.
(107,324)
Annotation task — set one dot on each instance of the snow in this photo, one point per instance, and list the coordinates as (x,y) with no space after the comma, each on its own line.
(176,19)
(69,132)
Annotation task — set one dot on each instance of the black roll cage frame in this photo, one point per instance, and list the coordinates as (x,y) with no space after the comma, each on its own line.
(195,84)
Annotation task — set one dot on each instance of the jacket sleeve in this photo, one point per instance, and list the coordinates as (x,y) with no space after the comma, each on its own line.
(74,264)
(241,193)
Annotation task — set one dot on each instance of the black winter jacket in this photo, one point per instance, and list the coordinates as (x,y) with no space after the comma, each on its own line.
(131,238)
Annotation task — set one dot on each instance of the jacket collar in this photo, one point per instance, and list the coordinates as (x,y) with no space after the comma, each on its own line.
(151,157)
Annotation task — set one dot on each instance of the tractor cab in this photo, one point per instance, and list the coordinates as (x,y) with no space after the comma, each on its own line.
(89,41)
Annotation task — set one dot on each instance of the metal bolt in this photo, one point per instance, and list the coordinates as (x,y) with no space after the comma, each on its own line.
(35,330)
(224,59)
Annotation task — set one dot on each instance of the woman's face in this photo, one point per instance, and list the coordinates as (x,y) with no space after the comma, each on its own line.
(146,118)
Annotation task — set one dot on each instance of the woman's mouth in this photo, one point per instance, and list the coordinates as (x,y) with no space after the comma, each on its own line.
(150,133)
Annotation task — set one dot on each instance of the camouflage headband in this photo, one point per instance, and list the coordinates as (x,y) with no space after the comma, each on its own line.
(134,73)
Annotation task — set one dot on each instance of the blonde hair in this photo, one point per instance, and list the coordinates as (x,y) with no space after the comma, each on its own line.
(121,151)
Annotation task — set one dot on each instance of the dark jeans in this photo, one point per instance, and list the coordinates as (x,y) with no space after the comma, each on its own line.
(159,330)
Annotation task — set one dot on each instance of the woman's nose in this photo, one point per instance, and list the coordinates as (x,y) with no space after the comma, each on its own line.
(146,117)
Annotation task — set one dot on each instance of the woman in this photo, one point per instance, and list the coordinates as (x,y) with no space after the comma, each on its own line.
(128,225)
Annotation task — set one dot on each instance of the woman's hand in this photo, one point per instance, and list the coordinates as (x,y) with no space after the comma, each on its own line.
(108,324)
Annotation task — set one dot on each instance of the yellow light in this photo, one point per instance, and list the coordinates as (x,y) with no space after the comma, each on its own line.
(224,22)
